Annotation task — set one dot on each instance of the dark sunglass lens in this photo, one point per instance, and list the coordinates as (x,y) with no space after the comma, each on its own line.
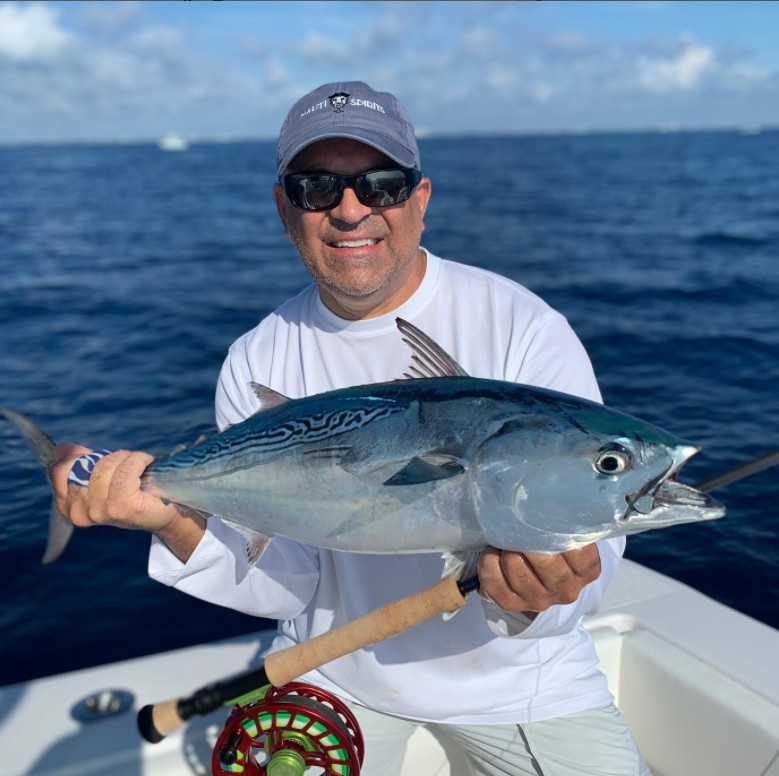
(383,188)
(313,192)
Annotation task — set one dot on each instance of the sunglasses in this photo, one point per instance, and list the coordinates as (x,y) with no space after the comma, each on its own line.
(376,188)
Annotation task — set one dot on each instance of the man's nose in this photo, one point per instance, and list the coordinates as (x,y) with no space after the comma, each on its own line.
(350,209)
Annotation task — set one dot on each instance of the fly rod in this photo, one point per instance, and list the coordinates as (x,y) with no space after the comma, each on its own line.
(157,721)
(447,595)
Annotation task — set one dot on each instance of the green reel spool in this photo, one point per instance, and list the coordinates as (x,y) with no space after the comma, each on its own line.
(288,731)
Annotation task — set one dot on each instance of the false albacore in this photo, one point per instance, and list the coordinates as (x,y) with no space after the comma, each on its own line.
(439,462)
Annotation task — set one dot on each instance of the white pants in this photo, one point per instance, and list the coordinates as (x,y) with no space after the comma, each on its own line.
(595,742)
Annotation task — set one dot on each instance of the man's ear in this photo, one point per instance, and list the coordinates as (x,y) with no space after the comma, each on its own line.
(281,205)
(423,191)
(422,196)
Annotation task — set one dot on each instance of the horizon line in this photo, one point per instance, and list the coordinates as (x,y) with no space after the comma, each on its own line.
(422,134)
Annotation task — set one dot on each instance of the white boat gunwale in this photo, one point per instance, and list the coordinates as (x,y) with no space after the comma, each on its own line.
(696,680)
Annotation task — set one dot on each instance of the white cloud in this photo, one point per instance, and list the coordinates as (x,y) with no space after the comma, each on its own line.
(501,79)
(477,40)
(157,38)
(128,69)
(29,33)
(681,72)
(316,47)
(140,80)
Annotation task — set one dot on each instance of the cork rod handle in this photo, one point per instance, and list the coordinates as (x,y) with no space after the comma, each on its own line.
(375,626)
(447,595)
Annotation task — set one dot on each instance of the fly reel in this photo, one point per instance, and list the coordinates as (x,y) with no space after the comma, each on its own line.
(285,731)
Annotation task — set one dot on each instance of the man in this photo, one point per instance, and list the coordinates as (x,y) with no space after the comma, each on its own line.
(511,680)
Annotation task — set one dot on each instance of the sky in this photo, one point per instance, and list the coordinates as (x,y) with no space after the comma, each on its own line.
(226,69)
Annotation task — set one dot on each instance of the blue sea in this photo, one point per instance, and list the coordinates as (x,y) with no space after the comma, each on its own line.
(126,272)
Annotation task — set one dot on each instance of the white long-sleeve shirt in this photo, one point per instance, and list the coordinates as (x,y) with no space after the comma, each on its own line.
(482,666)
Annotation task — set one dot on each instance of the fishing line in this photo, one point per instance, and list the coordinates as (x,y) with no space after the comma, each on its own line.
(740,472)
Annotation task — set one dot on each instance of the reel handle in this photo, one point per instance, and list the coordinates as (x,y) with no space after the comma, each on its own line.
(447,595)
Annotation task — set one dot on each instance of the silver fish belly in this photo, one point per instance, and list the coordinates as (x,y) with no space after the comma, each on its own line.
(444,463)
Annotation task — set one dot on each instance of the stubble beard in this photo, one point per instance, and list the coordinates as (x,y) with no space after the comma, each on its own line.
(371,280)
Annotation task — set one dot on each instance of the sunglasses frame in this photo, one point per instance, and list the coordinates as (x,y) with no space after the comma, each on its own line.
(412,177)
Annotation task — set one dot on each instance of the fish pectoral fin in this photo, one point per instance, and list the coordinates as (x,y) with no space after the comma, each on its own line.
(422,469)
(267,397)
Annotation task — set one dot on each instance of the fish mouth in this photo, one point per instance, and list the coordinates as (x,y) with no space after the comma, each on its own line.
(665,501)
(674,495)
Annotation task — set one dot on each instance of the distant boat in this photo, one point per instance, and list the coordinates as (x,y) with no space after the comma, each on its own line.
(173,142)
(750,129)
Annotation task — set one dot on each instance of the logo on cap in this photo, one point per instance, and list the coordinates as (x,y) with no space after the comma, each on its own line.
(338,101)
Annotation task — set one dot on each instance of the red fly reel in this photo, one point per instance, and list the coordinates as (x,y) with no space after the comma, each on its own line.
(288,731)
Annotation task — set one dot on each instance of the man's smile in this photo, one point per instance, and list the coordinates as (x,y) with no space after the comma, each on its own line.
(354,243)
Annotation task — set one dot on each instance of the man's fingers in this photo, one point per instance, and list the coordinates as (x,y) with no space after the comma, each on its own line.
(65,455)
(563,576)
(506,580)
(528,582)
(124,496)
(584,562)
(97,495)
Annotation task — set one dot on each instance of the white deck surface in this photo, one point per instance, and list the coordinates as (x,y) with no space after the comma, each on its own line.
(698,683)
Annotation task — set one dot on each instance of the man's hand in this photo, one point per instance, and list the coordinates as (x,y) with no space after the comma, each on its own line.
(531,583)
(114,497)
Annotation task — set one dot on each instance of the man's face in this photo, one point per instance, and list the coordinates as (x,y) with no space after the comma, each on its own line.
(365,260)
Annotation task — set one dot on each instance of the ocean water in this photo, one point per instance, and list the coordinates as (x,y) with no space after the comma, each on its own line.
(126,272)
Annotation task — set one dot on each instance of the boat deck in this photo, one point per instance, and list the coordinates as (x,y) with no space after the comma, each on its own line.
(698,683)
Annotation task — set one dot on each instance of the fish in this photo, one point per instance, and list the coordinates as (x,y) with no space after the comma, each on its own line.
(435,461)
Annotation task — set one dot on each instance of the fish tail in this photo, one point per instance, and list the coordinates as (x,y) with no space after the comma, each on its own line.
(60,528)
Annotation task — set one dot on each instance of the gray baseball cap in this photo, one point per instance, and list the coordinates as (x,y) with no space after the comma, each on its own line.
(349,109)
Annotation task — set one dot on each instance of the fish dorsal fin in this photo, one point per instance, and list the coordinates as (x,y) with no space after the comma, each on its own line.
(267,396)
(428,357)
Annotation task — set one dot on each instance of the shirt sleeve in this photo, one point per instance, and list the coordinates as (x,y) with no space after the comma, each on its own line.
(279,586)
(554,358)
(233,402)
(281,583)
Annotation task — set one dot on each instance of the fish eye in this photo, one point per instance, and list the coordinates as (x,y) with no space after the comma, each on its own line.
(613,459)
